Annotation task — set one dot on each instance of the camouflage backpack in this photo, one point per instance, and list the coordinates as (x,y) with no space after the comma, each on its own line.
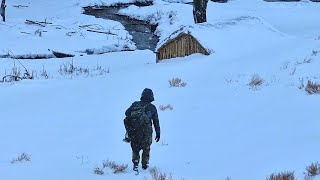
(139,117)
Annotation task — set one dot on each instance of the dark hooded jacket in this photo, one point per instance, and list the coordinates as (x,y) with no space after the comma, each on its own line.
(151,111)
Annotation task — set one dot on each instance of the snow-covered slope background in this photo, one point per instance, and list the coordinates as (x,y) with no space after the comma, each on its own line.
(219,126)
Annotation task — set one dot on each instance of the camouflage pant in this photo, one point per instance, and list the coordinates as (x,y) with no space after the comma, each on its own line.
(145,147)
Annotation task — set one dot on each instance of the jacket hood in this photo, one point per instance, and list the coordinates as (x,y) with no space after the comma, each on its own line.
(147,95)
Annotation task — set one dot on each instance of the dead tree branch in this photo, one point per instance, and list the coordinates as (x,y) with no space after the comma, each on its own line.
(92,26)
(19,6)
(39,23)
(34,22)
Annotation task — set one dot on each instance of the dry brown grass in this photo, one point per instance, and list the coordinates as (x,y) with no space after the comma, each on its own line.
(21,158)
(312,87)
(156,174)
(98,171)
(167,107)
(312,170)
(255,82)
(117,168)
(177,82)
(288,175)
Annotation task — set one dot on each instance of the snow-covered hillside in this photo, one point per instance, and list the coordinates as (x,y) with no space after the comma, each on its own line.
(219,127)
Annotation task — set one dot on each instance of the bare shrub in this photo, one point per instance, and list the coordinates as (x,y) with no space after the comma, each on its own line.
(315,53)
(44,73)
(305,61)
(285,65)
(301,85)
(15,75)
(117,168)
(71,69)
(155,17)
(312,87)
(21,158)
(156,174)
(177,82)
(172,15)
(293,71)
(288,175)
(313,170)
(167,107)
(102,70)
(164,143)
(98,171)
(255,82)
(38,32)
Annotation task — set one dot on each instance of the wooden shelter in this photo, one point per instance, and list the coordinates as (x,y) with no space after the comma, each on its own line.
(181,44)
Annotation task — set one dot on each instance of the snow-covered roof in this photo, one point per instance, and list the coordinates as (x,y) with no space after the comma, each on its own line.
(230,31)
(182,30)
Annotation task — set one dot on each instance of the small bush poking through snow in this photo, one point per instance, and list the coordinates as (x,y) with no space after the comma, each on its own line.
(313,170)
(172,15)
(301,85)
(44,73)
(70,69)
(117,168)
(15,75)
(21,158)
(155,17)
(98,171)
(315,53)
(285,65)
(289,175)
(163,108)
(312,88)
(156,174)
(177,82)
(305,61)
(255,82)
(38,32)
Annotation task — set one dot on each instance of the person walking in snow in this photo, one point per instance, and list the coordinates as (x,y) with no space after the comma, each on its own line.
(140,117)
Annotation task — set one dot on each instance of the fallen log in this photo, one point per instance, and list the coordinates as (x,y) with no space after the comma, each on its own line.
(61,55)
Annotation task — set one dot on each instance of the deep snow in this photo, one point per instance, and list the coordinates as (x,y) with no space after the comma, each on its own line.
(218,127)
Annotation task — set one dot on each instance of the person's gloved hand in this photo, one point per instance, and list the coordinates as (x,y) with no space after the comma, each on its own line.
(157,137)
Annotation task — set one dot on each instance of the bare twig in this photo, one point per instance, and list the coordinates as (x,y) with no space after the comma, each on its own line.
(19,6)
(102,32)
(13,77)
(34,22)
(39,23)
(25,32)
(59,26)
(27,72)
(92,26)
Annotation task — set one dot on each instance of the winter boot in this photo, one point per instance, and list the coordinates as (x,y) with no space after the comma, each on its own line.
(145,166)
(135,167)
